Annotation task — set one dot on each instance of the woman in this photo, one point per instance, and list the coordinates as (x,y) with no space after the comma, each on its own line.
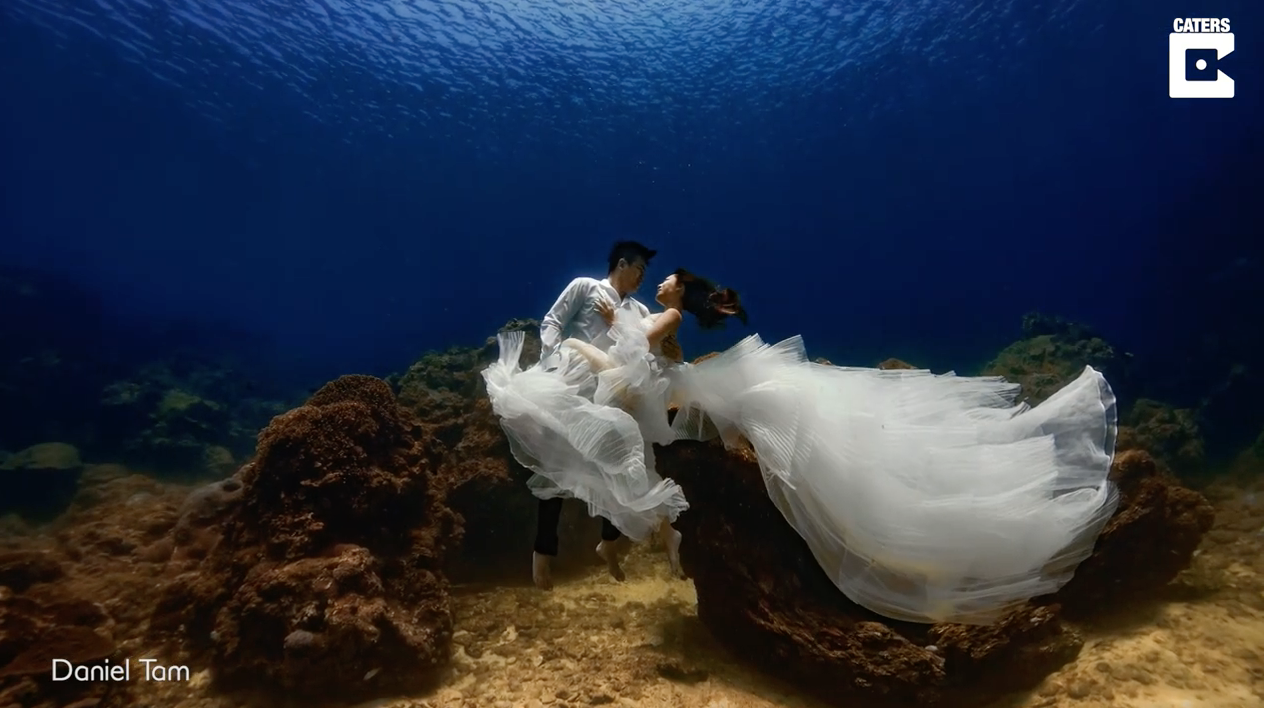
(925,498)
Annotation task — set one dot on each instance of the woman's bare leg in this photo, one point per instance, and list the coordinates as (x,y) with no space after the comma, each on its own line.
(597,359)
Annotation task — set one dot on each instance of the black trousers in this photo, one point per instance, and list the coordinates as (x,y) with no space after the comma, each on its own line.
(546,527)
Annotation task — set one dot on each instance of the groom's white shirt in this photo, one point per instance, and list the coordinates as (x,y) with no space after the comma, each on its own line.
(575,314)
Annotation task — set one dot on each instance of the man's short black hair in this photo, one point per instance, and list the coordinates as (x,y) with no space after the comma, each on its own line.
(628,251)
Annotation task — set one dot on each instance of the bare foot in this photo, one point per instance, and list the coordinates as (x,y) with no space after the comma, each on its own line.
(609,552)
(671,539)
(540,571)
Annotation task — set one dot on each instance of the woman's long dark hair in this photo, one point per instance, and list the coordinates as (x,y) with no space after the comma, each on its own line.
(708,302)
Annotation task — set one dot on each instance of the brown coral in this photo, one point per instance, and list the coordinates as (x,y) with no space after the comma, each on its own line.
(328,577)
(1170,434)
(46,622)
(21,569)
(1151,538)
(761,592)
(1044,363)
(888,364)
(337,447)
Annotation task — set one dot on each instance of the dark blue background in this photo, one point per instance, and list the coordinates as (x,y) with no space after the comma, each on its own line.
(358,187)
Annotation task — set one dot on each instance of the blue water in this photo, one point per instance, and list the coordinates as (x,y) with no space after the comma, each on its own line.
(360,182)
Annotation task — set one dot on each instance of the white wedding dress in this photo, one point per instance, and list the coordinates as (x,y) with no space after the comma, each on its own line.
(924,497)
(589,435)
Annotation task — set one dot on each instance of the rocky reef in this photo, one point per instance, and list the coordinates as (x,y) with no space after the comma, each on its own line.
(762,593)
(40,621)
(1150,539)
(1170,434)
(326,579)
(1053,351)
(318,569)
(80,589)
(321,568)
(1195,415)
(171,417)
(315,571)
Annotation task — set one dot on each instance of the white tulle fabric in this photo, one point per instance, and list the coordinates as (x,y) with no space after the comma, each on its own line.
(924,497)
(588,433)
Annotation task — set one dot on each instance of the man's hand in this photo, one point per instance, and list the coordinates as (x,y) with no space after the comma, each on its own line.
(671,349)
(606,310)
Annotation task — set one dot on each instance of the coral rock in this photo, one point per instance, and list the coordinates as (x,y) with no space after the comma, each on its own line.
(20,570)
(201,520)
(42,624)
(1150,539)
(1170,434)
(181,416)
(889,364)
(761,592)
(329,567)
(1052,353)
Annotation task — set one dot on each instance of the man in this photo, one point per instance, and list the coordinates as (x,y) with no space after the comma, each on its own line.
(577,314)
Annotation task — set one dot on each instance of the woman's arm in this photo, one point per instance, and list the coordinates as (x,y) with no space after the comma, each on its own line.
(664,325)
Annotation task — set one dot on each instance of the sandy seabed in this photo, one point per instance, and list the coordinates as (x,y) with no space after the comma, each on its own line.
(593,641)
